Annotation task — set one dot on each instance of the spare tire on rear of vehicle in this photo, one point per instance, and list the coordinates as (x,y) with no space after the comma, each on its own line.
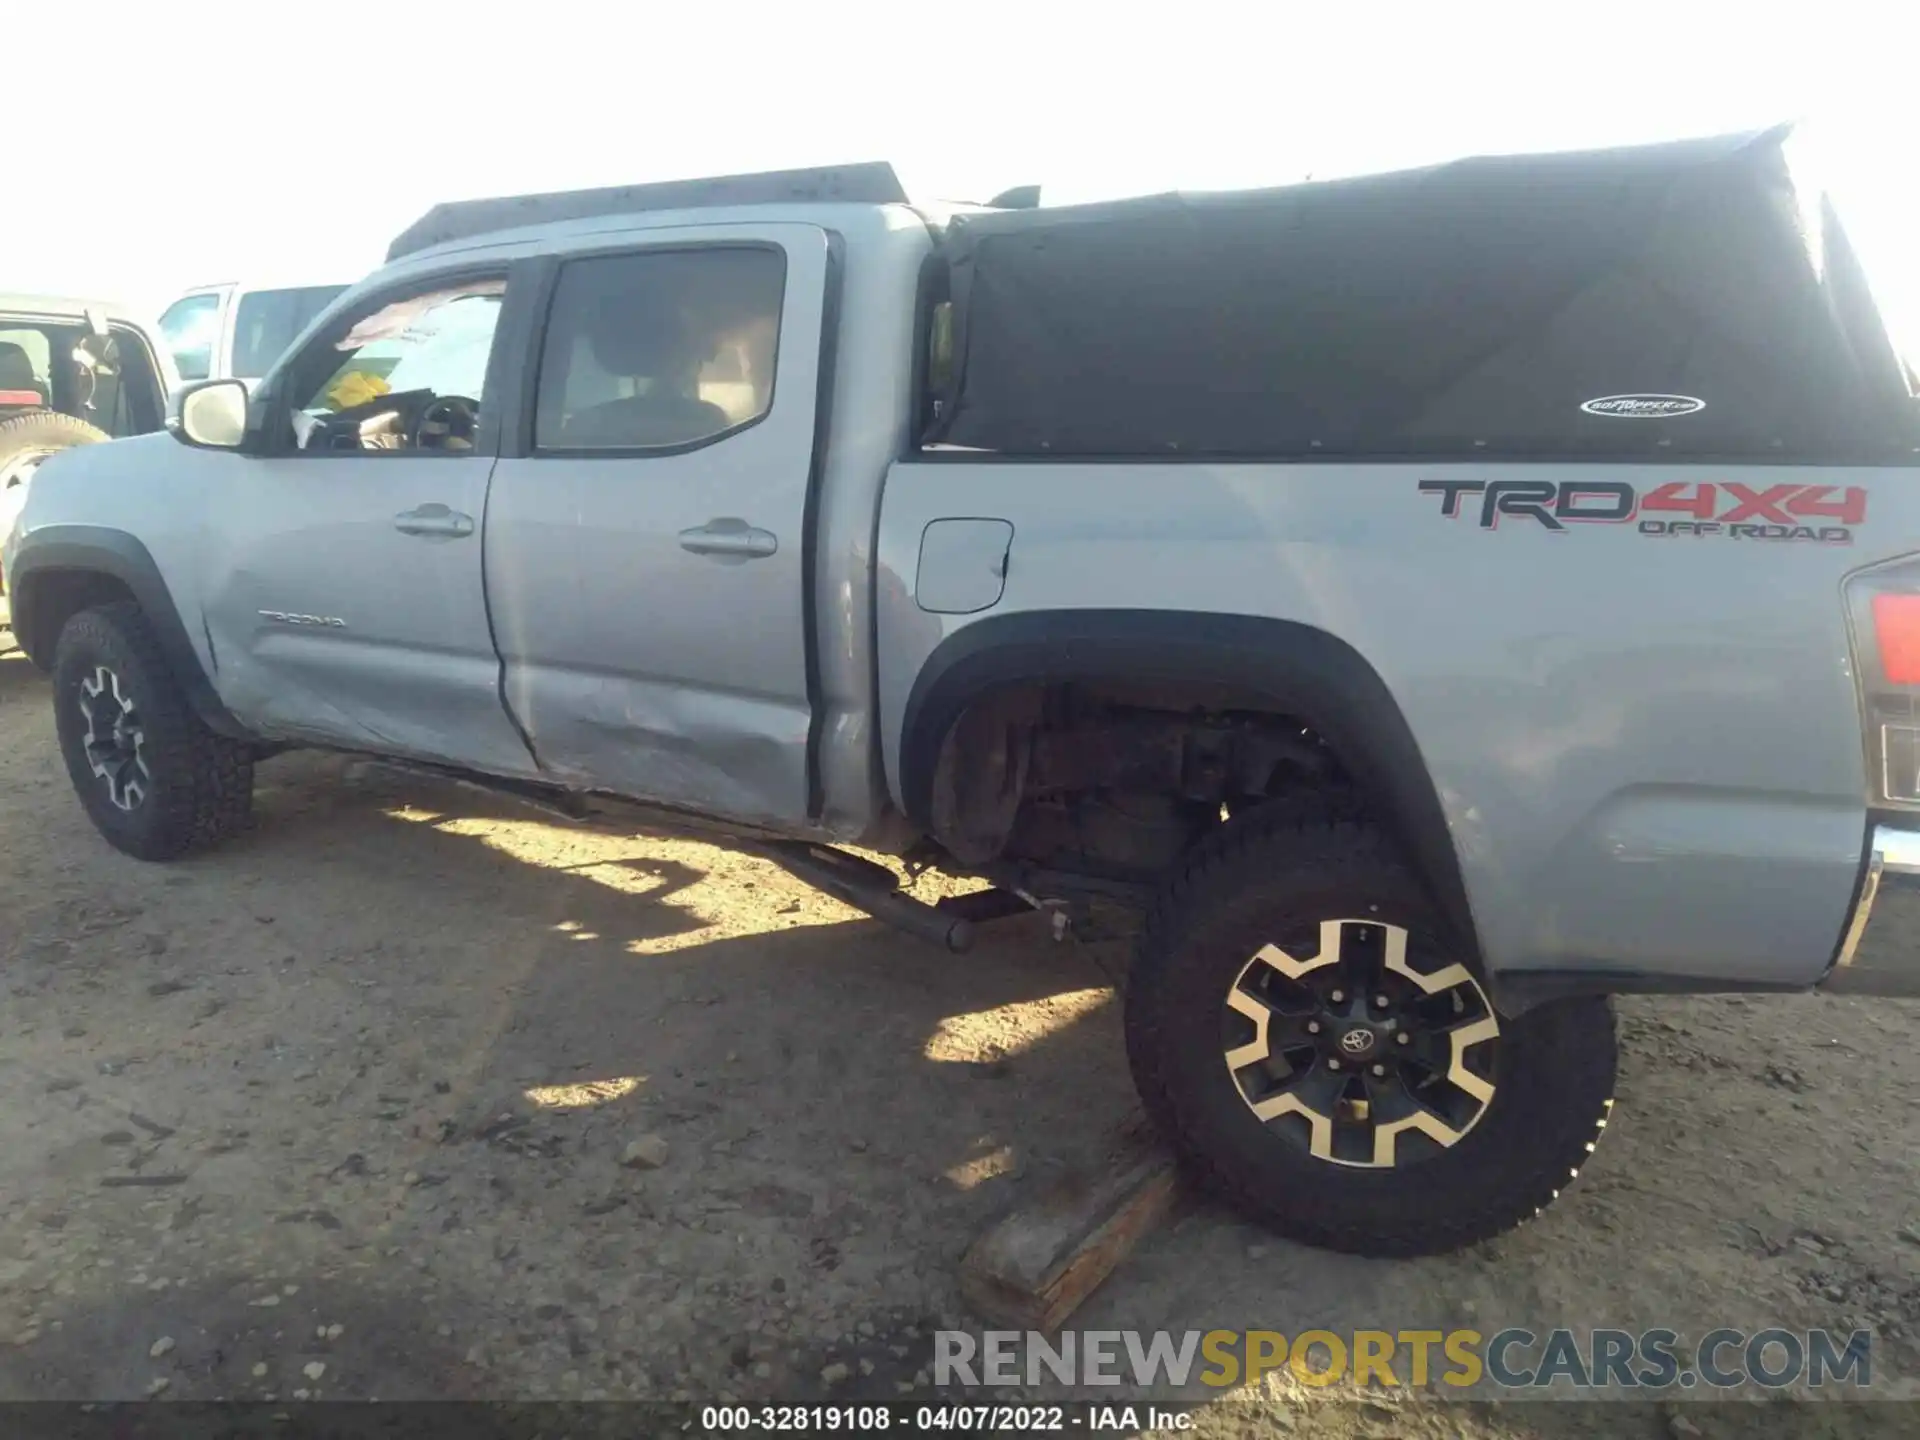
(26,440)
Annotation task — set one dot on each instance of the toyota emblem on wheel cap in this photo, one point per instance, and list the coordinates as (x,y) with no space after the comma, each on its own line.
(1357,1042)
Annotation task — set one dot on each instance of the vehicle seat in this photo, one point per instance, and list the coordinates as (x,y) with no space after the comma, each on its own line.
(643,337)
(19,386)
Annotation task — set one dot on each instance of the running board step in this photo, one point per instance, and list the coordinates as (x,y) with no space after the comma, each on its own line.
(871,888)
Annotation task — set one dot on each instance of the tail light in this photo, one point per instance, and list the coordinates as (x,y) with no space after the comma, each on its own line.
(1896,633)
(1884,607)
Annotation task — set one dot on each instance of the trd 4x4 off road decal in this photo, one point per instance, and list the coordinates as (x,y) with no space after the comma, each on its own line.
(1729,509)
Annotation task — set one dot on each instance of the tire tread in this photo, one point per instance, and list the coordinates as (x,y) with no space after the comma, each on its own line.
(1248,853)
(215,801)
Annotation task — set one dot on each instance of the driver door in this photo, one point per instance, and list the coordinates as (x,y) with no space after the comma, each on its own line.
(345,605)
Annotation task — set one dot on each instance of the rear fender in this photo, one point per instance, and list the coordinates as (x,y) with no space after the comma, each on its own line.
(1298,670)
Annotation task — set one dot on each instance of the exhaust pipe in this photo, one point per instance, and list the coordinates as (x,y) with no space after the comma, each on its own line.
(871,888)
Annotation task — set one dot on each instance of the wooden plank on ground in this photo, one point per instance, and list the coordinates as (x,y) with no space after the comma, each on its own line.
(1035,1266)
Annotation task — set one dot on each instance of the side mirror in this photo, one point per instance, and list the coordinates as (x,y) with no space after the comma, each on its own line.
(211,415)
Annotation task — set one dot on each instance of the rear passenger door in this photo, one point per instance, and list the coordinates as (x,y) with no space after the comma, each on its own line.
(647,526)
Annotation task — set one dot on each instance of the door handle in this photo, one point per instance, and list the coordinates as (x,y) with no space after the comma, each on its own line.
(434,521)
(729,540)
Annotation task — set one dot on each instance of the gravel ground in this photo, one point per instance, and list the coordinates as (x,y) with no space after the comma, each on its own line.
(413,1094)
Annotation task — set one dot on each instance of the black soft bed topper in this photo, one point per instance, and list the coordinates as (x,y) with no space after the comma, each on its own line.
(867,184)
(1658,302)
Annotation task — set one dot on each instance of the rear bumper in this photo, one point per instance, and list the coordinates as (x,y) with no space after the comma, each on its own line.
(1890,852)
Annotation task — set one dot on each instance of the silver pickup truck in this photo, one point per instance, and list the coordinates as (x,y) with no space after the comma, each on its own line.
(1420,606)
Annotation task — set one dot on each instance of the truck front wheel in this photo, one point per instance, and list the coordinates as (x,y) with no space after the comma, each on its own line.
(154,780)
(1319,1055)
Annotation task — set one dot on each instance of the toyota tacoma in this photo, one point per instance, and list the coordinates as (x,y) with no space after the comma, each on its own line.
(1422,605)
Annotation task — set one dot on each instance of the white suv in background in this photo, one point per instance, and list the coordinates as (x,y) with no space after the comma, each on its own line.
(233,331)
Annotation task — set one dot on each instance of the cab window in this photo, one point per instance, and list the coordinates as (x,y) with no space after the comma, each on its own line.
(108,381)
(266,322)
(659,350)
(409,376)
(26,367)
(189,329)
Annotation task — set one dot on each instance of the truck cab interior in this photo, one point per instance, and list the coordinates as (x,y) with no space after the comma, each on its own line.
(408,376)
(108,381)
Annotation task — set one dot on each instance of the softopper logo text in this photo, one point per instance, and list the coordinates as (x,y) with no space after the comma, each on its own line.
(1644,407)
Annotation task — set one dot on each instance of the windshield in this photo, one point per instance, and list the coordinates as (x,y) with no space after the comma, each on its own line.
(268,321)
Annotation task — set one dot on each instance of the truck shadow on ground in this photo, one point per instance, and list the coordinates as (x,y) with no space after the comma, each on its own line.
(840,1110)
(502,1009)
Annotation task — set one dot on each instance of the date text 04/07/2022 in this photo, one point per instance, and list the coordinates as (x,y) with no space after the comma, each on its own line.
(942,1419)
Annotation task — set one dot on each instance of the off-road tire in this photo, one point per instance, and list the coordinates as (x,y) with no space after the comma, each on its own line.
(37,431)
(199,785)
(46,427)
(1266,873)
(47,430)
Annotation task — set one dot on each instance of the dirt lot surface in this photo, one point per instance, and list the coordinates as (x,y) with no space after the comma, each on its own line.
(342,1110)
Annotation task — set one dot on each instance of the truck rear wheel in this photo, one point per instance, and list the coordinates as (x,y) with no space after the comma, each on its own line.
(154,780)
(1317,1053)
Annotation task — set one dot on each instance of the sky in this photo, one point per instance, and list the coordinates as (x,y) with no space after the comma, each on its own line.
(288,144)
